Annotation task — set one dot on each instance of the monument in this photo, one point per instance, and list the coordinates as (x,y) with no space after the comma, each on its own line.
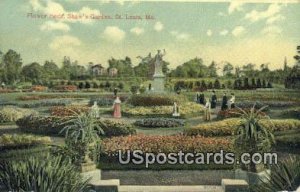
(158,77)
(158,83)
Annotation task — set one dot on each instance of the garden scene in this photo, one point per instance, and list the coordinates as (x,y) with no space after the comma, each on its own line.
(67,125)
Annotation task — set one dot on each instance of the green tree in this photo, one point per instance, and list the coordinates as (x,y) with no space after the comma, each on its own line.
(124,66)
(33,72)
(12,66)
(227,69)
(51,70)
(212,69)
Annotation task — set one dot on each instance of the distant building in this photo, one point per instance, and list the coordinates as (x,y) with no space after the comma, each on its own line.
(113,72)
(97,70)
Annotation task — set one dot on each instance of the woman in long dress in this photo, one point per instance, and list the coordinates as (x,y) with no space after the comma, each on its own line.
(207,110)
(117,108)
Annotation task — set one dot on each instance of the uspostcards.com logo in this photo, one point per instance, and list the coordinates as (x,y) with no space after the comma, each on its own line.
(139,157)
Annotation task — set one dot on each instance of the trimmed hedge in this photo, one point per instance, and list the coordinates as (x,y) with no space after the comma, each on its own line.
(227,127)
(71,110)
(159,122)
(156,99)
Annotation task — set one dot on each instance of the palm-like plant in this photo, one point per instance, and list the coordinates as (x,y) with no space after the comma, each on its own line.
(36,174)
(82,131)
(251,136)
(284,176)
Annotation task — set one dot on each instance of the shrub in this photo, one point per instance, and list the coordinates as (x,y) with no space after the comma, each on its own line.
(159,122)
(17,141)
(226,127)
(71,110)
(164,144)
(36,174)
(185,109)
(12,114)
(156,99)
(231,113)
(117,128)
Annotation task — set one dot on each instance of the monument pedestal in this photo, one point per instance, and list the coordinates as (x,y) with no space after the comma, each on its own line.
(158,83)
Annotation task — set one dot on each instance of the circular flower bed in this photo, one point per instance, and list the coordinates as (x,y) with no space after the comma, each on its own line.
(159,122)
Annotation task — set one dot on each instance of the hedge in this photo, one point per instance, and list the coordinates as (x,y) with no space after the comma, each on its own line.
(156,99)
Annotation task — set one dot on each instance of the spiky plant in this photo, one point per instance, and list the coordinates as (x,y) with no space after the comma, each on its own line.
(284,176)
(41,174)
(251,136)
(82,131)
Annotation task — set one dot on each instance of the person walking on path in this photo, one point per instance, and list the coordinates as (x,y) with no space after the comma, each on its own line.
(201,98)
(213,100)
(224,103)
(207,115)
(117,108)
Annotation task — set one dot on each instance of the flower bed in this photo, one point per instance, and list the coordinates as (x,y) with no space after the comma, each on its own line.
(17,141)
(159,122)
(45,103)
(228,126)
(117,128)
(66,88)
(12,114)
(164,144)
(291,113)
(156,99)
(38,88)
(71,110)
(185,110)
(270,103)
(232,113)
(52,96)
(52,125)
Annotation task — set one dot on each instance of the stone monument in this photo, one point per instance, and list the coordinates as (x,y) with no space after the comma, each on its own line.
(158,77)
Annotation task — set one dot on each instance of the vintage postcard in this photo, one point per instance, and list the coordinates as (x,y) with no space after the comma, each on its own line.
(160,96)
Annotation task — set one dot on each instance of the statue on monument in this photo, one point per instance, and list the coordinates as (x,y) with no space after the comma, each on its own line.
(158,62)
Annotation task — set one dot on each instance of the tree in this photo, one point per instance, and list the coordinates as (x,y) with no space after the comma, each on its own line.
(297,57)
(258,83)
(217,84)
(246,83)
(253,83)
(193,68)
(212,70)
(12,66)
(33,72)
(249,69)
(227,70)
(51,70)
(124,66)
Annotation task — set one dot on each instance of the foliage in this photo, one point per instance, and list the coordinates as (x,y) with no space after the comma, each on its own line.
(113,128)
(185,109)
(8,141)
(12,65)
(81,132)
(155,99)
(159,122)
(70,110)
(251,136)
(284,176)
(164,144)
(105,101)
(45,103)
(36,174)
(12,114)
(227,127)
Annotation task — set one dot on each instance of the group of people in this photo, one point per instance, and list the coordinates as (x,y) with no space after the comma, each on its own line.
(211,103)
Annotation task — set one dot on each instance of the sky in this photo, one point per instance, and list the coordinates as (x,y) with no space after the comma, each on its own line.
(234,32)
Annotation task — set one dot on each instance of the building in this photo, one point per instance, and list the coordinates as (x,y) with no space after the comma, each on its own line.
(97,70)
(113,72)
